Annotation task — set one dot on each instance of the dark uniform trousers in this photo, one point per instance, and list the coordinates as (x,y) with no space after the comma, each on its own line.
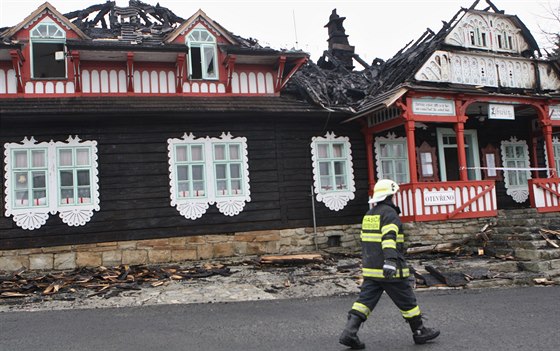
(399,290)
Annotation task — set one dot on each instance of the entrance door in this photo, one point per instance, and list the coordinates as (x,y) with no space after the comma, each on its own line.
(447,151)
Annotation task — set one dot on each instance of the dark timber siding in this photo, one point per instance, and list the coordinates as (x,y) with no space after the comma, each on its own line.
(134,176)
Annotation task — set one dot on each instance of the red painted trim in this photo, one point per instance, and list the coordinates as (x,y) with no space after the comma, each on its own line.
(230,67)
(17,63)
(280,73)
(130,71)
(180,69)
(390,124)
(369,152)
(411,145)
(298,64)
(75,59)
(544,183)
(461,153)
(469,202)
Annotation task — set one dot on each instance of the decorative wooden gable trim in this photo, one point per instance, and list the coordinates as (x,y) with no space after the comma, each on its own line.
(191,22)
(487,31)
(38,14)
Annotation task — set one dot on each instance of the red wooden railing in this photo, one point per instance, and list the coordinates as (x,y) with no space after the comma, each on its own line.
(446,200)
(545,194)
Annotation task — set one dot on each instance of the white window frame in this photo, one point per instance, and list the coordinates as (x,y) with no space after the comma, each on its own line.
(480,32)
(210,43)
(33,217)
(392,139)
(58,36)
(519,192)
(471,151)
(334,199)
(556,150)
(196,205)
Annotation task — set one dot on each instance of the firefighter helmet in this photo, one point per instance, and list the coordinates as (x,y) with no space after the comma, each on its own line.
(382,189)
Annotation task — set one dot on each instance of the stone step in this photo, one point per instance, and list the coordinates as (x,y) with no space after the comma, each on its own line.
(536,255)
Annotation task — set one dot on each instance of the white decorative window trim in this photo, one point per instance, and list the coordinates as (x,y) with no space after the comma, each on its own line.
(519,193)
(555,147)
(334,199)
(193,208)
(31,218)
(390,138)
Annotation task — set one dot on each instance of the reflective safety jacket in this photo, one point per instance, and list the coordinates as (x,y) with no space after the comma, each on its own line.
(382,239)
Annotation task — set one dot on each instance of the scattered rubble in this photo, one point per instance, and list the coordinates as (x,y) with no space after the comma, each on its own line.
(332,272)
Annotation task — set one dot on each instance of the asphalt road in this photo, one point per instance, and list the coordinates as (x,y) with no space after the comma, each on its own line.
(494,319)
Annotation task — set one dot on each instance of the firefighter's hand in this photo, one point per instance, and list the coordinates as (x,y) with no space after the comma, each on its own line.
(389,269)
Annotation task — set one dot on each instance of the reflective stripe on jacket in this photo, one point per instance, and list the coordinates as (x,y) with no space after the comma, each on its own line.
(382,239)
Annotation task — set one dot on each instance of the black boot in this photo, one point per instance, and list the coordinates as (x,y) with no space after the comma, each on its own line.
(349,336)
(420,333)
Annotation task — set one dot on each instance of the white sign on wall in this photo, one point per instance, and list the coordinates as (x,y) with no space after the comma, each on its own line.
(437,107)
(497,111)
(555,112)
(439,197)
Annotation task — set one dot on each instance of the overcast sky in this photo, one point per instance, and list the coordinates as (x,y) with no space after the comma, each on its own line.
(377,28)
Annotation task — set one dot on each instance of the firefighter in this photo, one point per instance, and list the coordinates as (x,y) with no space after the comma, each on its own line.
(384,269)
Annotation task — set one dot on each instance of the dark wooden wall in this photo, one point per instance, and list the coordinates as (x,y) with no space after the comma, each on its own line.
(134,176)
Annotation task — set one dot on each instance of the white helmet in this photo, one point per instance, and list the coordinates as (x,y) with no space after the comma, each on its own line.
(382,189)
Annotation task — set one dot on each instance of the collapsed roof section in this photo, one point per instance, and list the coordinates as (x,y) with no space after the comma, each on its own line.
(334,85)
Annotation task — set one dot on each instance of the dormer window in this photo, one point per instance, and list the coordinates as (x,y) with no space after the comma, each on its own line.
(202,54)
(504,37)
(48,59)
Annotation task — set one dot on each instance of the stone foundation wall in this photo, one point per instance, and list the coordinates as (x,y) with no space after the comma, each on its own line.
(286,241)
(179,249)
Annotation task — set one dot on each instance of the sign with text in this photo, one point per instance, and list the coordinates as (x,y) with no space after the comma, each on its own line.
(439,197)
(496,111)
(555,112)
(436,107)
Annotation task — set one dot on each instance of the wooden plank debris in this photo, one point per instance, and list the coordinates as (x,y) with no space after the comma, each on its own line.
(544,233)
(291,259)
(452,247)
(103,281)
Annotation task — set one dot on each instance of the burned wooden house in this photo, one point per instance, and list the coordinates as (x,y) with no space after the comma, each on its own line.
(131,135)
(466,119)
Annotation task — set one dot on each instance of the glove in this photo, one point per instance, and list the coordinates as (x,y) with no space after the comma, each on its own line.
(389,268)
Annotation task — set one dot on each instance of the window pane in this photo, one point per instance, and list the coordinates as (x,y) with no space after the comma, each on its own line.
(181,153)
(21,198)
(183,173)
(198,187)
(39,180)
(20,159)
(82,157)
(326,183)
(339,168)
(38,158)
(384,150)
(340,182)
(338,150)
(66,178)
(234,152)
(509,152)
(83,177)
(67,196)
(324,168)
(387,168)
(197,172)
(398,150)
(21,180)
(65,157)
(222,187)
(84,195)
(235,170)
(196,153)
(323,150)
(236,186)
(39,197)
(220,171)
(183,189)
(219,152)
(209,60)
